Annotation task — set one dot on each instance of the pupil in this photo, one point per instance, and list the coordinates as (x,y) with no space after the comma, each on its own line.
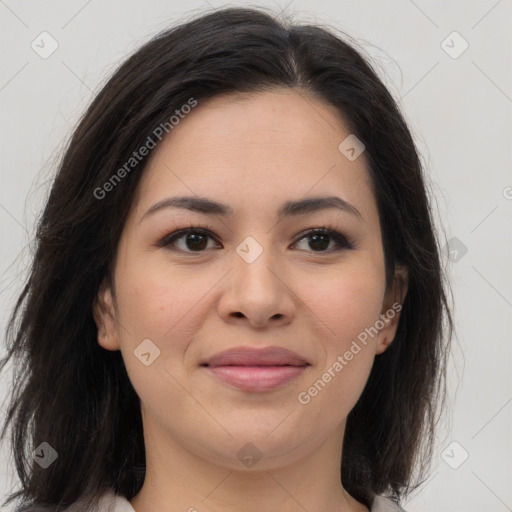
(194,239)
(323,245)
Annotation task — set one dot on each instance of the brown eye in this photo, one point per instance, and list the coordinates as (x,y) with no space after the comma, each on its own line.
(194,240)
(321,238)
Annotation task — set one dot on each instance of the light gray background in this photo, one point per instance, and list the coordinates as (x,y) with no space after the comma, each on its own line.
(458,108)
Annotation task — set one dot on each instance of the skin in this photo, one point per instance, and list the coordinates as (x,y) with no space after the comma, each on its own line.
(253,152)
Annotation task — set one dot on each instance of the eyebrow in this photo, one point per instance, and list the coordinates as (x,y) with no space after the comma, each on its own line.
(288,209)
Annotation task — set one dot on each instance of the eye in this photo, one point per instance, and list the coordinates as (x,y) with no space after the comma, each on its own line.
(194,239)
(321,238)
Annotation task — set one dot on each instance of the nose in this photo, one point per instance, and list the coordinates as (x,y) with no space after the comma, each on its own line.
(257,293)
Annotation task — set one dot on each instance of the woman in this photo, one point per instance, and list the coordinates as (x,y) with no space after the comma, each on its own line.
(236,297)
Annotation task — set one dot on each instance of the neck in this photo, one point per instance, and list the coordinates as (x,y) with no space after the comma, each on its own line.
(179,480)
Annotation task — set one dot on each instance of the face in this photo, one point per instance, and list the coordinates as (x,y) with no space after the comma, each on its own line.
(249,277)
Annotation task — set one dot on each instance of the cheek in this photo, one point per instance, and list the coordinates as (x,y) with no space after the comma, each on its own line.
(345,301)
(147,307)
(154,298)
(346,306)
(158,308)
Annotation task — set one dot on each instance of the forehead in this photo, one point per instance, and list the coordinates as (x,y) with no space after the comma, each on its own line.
(250,149)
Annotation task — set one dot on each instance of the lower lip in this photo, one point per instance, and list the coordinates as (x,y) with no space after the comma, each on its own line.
(256,378)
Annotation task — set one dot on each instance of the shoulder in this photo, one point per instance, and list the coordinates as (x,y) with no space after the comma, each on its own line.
(111,502)
(382,504)
(108,502)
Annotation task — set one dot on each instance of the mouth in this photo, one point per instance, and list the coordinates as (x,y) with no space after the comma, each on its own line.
(256,370)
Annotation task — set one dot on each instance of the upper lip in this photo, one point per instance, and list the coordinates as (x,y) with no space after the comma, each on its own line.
(246,356)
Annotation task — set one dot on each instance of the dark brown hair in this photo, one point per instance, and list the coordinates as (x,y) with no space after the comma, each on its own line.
(71,393)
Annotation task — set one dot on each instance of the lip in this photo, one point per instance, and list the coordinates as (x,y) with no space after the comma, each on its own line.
(246,356)
(254,370)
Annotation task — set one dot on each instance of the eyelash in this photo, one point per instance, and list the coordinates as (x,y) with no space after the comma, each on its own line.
(343,242)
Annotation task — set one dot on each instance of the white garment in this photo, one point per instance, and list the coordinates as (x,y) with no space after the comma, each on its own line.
(111,502)
(381,504)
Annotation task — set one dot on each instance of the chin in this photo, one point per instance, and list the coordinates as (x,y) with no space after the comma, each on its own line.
(259,448)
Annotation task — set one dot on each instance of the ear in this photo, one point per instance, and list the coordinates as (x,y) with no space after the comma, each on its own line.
(391,307)
(105,317)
